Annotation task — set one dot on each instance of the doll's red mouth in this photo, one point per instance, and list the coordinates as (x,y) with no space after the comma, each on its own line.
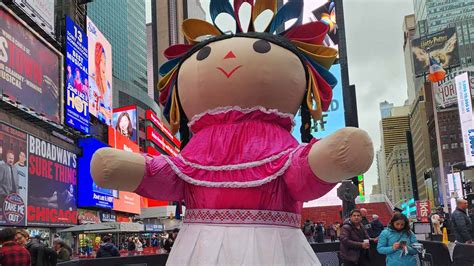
(228,75)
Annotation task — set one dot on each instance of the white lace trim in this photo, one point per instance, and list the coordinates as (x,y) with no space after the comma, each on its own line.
(226,109)
(231,167)
(231,184)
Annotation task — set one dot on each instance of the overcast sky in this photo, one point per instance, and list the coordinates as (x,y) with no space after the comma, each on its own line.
(376,62)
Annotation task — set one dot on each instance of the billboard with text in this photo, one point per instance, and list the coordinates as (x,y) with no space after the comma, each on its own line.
(441,45)
(13,176)
(465,115)
(77,84)
(89,194)
(52,179)
(30,70)
(334,119)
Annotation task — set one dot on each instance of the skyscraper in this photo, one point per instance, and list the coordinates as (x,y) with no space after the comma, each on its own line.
(149,61)
(399,188)
(123,23)
(394,154)
(419,115)
(385,109)
(409,27)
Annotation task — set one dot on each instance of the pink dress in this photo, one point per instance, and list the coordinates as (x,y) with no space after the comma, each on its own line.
(244,179)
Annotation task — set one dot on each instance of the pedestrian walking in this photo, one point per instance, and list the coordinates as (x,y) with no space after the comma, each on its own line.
(461,223)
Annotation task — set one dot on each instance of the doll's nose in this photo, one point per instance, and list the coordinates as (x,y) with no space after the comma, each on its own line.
(229,55)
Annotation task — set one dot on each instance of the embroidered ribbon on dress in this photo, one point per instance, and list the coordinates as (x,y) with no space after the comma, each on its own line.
(239,216)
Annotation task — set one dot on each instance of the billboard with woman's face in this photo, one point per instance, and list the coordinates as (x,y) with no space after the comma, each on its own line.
(100,74)
(124,121)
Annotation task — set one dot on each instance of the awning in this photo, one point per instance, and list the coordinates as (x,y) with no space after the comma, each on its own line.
(121,227)
(87,227)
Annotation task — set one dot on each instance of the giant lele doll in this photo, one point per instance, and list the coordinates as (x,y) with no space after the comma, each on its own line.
(232,93)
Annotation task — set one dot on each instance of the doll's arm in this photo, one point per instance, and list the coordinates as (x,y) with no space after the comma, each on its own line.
(148,176)
(316,168)
(345,154)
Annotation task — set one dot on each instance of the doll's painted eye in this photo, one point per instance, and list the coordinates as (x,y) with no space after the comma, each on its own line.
(262,46)
(203,53)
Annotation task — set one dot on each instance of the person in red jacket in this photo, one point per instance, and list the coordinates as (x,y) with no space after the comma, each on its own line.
(12,253)
(354,243)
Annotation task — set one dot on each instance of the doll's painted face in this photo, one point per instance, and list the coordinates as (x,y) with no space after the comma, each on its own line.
(244,72)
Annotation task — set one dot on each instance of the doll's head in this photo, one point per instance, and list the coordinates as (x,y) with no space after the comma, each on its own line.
(247,62)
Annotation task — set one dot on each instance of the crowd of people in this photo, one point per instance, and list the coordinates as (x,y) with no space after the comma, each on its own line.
(317,232)
(396,241)
(21,250)
(362,239)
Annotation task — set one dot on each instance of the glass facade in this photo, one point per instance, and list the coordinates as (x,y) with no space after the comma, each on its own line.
(123,23)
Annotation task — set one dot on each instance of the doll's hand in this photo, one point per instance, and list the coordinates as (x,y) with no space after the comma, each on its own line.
(116,169)
(345,154)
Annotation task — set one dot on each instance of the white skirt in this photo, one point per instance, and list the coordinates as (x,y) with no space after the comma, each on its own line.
(202,244)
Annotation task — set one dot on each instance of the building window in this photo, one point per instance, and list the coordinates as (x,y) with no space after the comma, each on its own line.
(454,145)
(173,21)
(445,146)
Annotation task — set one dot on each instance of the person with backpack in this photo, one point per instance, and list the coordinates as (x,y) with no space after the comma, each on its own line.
(41,255)
(107,249)
(308,230)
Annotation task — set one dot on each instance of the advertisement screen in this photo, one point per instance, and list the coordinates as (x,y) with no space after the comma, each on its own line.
(126,201)
(13,176)
(124,121)
(324,11)
(153,136)
(445,91)
(153,118)
(334,119)
(441,45)
(89,194)
(100,74)
(51,184)
(87,217)
(423,210)
(29,70)
(40,11)
(361,187)
(465,116)
(77,84)
(455,190)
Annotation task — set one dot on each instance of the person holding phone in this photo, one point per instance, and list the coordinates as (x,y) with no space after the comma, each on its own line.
(396,242)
